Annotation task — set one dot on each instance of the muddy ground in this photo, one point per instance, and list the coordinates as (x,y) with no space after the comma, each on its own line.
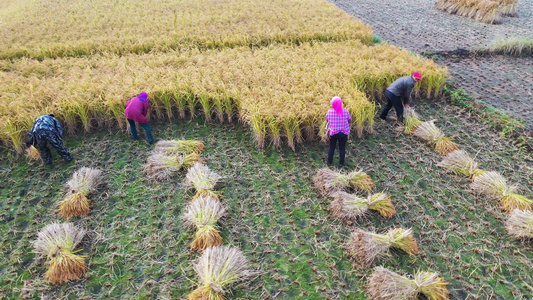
(502,82)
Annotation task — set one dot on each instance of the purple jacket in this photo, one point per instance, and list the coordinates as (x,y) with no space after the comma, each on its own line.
(137,110)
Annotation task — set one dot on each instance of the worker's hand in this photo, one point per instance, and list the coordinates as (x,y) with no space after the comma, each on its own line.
(406,105)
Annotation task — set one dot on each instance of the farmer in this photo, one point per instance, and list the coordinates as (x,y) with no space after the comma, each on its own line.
(339,128)
(398,90)
(136,110)
(47,130)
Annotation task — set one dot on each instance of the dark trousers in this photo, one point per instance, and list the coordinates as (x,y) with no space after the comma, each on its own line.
(146,127)
(45,138)
(392,101)
(342,138)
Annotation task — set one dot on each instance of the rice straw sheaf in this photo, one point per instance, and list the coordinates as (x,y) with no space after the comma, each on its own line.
(360,180)
(173,147)
(162,167)
(382,203)
(204,214)
(83,182)
(218,269)
(494,185)
(329,182)
(384,284)
(520,224)
(411,120)
(347,206)
(460,162)
(486,11)
(57,242)
(202,179)
(366,247)
(429,132)
(33,153)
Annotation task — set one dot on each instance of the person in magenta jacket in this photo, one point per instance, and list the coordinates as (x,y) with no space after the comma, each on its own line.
(136,110)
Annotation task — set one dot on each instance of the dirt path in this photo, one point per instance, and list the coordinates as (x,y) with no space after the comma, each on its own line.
(505,83)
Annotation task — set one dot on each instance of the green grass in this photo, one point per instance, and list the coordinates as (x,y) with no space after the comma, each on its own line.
(138,245)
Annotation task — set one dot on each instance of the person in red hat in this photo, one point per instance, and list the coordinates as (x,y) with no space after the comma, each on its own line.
(136,110)
(398,95)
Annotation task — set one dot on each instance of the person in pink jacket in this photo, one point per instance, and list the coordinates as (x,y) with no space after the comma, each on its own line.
(136,110)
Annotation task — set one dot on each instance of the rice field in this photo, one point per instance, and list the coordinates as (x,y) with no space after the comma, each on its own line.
(137,245)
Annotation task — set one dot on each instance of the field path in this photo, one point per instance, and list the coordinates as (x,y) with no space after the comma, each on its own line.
(505,83)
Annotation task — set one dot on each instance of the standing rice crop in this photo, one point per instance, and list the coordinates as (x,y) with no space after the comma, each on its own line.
(429,132)
(384,284)
(161,167)
(203,180)
(520,224)
(57,242)
(461,163)
(347,206)
(494,185)
(174,147)
(83,182)
(203,214)
(366,247)
(218,269)
(411,120)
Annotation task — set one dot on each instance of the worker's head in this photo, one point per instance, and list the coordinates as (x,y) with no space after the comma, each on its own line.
(336,103)
(143,96)
(416,76)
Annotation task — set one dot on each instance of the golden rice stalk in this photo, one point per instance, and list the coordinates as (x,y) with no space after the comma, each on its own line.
(203,214)
(329,182)
(381,203)
(411,120)
(33,153)
(429,132)
(57,242)
(348,206)
(218,268)
(460,162)
(520,224)
(201,178)
(74,204)
(384,284)
(431,285)
(360,180)
(174,147)
(85,180)
(366,247)
(494,185)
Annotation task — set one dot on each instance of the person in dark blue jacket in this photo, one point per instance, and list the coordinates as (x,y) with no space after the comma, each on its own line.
(398,95)
(46,131)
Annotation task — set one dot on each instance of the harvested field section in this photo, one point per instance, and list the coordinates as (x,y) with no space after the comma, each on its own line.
(77,28)
(290,85)
(139,245)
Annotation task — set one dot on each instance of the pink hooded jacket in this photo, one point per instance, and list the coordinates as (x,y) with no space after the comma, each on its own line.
(137,108)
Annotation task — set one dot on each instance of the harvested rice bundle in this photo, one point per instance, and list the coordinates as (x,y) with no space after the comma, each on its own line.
(494,185)
(203,180)
(411,120)
(161,167)
(384,284)
(33,153)
(486,11)
(360,180)
(366,247)
(349,206)
(429,132)
(520,224)
(57,242)
(83,182)
(329,182)
(204,214)
(508,7)
(174,147)
(218,268)
(460,162)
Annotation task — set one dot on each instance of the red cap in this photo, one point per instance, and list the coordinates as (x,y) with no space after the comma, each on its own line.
(417,75)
